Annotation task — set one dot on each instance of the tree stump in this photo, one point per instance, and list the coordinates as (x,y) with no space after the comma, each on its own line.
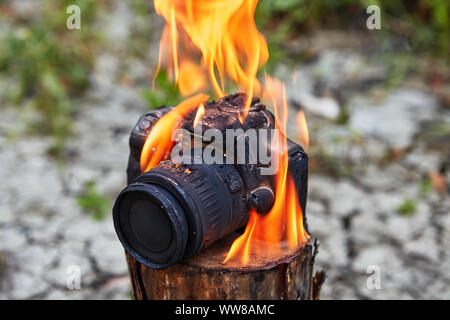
(205,277)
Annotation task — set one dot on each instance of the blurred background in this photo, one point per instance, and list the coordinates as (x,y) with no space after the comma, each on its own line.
(378,109)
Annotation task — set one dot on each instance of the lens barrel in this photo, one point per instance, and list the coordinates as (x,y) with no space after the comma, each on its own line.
(151,224)
(173,211)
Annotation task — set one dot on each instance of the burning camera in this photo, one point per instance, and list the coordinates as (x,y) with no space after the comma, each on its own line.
(172,211)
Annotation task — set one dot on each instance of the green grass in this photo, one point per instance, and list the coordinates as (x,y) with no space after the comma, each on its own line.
(407,208)
(93,202)
(426,23)
(50,63)
(165,93)
(425,186)
(399,64)
(343,117)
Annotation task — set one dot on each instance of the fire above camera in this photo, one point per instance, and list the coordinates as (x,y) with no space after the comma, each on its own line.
(172,211)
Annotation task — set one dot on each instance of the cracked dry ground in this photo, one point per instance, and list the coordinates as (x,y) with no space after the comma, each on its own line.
(361,173)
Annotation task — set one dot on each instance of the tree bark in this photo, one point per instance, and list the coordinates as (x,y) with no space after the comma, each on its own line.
(204,277)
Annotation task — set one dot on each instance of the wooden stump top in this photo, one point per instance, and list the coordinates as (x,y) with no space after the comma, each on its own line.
(264,257)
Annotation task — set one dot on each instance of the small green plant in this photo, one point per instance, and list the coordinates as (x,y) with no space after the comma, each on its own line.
(343,117)
(426,186)
(51,63)
(407,208)
(399,65)
(93,202)
(165,92)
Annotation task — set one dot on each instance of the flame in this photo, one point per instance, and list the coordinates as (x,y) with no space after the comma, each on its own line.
(302,130)
(283,225)
(215,44)
(158,143)
(199,114)
(223,33)
(197,83)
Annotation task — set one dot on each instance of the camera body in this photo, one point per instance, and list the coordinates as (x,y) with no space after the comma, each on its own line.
(172,211)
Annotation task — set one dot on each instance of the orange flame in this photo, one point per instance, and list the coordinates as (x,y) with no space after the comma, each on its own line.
(158,143)
(215,44)
(302,130)
(225,35)
(283,225)
(196,84)
(199,114)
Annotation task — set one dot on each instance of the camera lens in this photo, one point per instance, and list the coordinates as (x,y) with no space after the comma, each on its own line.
(151,224)
(172,211)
